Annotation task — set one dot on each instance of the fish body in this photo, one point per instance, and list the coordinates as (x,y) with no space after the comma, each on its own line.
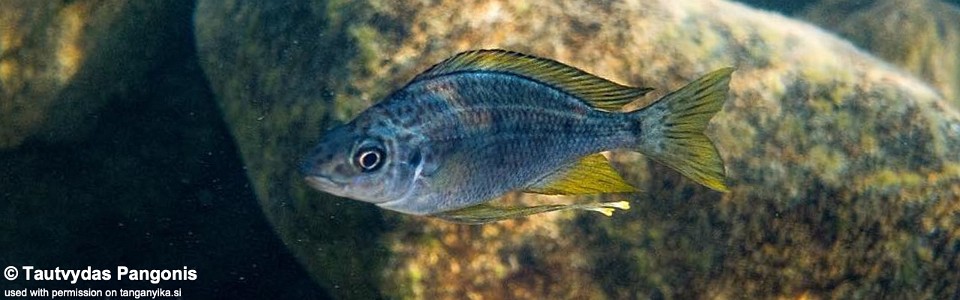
(487,122)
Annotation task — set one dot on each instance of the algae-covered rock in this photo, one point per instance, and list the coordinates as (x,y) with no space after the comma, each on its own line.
(922,36)
(844,175)
(60,60)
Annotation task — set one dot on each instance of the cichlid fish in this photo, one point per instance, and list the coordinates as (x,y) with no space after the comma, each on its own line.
(486,122)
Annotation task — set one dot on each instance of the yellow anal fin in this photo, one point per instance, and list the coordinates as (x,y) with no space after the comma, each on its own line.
(593,174)
(486,213)
(593,90)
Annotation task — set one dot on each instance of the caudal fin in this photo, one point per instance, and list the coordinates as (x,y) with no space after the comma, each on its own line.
(671,129)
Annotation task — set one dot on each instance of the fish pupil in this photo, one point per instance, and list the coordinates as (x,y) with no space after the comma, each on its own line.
(369,159)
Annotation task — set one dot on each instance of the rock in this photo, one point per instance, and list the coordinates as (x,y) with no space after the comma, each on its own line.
(60,61)
(844,175)
(922,37)
(281,71)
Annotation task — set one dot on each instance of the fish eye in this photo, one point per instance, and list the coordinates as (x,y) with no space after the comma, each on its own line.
(369,159)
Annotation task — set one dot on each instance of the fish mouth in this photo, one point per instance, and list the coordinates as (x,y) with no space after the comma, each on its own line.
(329,186)
(324,184)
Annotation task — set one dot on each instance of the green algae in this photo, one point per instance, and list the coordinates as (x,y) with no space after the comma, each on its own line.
(827,162)
(368,54)
(891,179)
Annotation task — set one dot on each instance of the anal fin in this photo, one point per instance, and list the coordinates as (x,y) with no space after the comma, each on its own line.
(593,174)
(486,213)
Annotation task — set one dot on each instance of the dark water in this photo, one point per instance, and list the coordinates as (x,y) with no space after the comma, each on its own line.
(157,185)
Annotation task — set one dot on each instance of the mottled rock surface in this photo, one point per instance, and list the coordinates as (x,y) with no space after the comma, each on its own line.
(843,170)
(922,36)
(61,60)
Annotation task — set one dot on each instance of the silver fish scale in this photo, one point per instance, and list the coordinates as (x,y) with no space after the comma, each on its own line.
(490,133)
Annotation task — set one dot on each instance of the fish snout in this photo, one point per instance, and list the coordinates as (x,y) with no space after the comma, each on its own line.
(313,162)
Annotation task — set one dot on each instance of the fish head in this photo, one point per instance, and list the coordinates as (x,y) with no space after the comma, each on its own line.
(362,162)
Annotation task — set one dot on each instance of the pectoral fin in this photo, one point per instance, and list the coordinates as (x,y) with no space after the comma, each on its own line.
(486,213)
(591,175)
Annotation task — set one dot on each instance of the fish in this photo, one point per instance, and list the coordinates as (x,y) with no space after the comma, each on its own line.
(484,123)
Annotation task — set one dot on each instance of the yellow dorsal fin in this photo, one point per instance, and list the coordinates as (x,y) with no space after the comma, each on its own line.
(595,91)
(591,175)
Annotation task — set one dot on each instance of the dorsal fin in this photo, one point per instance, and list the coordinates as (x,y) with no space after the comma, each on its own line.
(591,175)
(595,91)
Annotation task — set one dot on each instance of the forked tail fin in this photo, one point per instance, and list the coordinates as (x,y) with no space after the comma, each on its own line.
(671,129)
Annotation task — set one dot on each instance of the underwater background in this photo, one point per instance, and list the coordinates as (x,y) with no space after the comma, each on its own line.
(163,134)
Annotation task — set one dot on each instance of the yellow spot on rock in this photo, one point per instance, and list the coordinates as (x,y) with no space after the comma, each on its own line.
(69,47)
(7,70)
(826,162)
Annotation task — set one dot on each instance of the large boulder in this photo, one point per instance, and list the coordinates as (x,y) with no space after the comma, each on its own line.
(921,36)
(843,170)
(61,60)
